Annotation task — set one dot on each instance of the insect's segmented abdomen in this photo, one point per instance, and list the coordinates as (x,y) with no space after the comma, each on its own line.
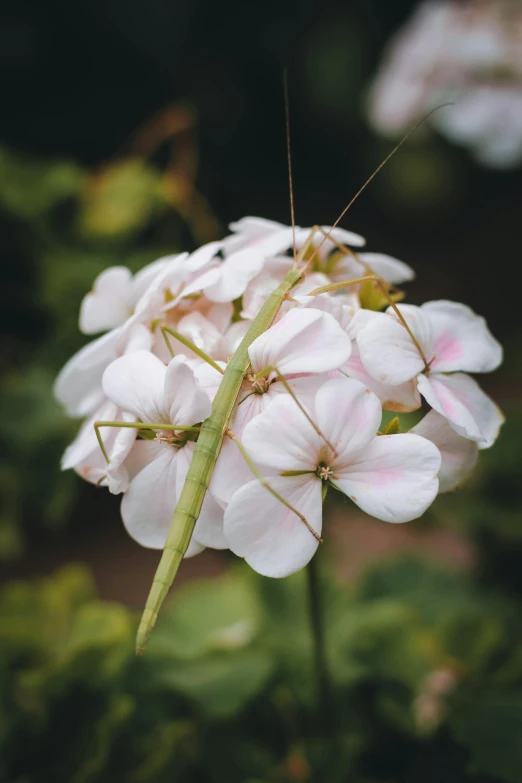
(204,459)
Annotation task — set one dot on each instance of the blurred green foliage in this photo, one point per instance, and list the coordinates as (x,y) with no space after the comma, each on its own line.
(64,224)
(426,672)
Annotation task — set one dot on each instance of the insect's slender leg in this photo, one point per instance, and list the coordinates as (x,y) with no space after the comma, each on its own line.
(324,289)
(165,330)
(138,425)
(251,464)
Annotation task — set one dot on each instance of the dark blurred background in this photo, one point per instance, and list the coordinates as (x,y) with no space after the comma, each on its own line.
(131,129)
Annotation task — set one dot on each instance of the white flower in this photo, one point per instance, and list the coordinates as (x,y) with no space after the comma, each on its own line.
(306,343)
(391,477)
(143,386)
(452,339)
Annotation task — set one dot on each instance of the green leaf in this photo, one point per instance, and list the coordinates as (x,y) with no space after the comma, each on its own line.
(220,683)
(30,188)
(121,199)
(208,615)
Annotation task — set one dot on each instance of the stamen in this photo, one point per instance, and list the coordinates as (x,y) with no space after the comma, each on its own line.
(259,385)
(324,472)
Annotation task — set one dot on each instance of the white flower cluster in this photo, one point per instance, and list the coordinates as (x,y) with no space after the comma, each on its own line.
(310,407)
(466,52)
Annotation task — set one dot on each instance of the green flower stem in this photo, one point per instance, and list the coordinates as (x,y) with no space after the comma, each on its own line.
(319,647)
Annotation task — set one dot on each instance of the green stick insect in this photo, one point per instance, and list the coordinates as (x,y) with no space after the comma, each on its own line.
(215,428)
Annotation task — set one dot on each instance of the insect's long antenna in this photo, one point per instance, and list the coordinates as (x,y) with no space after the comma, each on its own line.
(289,160)
(379,167)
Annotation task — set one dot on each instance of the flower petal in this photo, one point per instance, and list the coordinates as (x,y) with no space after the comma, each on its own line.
(281,438)
(148,505)
(461,339)
(459,455)
(135,383)
(402,398)
(468,409)
(186,402)
(86,442)
(388,267)
(273,540)
(109,303)
(394,478)
(236,272)
(348,414)
(387,351)
(149,502)
(78,385)
(304,340)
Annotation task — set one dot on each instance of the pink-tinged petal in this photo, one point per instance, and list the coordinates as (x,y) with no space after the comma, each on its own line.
(348,414)
(93,469)
(135,383)
(185,401)
(109,303)
(388,267)
(387,351)
(394,478)
(149,502)
(402,398)
(461,339)
(236,272)
(304,340)
(273,540)
(78,385)
(281,438)
(460,399)
(459,455)
(419,324)
(208,530)
(231,471)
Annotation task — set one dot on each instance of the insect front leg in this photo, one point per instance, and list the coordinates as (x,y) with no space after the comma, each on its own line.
(166,330)
(139,425)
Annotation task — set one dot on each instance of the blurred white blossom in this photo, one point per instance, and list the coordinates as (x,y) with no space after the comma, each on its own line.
(469,53)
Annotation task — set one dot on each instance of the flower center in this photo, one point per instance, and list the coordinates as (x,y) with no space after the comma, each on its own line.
(175,439)
(325,472)
(259,385)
